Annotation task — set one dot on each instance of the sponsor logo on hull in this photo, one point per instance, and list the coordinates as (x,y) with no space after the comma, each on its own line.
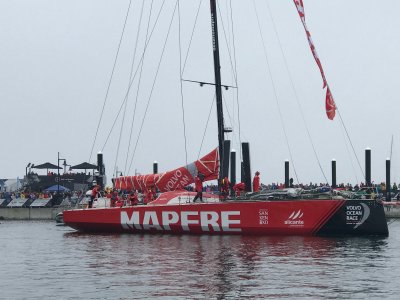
(206,221)
(357,214)
(263,216)
(295,219)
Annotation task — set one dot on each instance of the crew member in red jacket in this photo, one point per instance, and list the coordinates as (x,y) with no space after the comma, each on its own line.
(256,182)
(149,195)
(198,184)
(239,188)
(93,196)
(114,198)
(133,198)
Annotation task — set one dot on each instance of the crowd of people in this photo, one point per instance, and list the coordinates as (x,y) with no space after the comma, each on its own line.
(225,189)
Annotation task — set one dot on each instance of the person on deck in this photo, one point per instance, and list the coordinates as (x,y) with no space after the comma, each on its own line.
(114,198)
(225,186)
(133,198)
(239,188)
(256,182)
(148,196)
(198,184)
(93,196)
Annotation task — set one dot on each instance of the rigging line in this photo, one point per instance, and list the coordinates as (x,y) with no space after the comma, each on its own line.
(236,78)
(120,137)
(275,94)
(191,37)
(348,137)
(111,77)
(229,42)
(229,116)
(348,152)
(295,91)
(126,100)
(227,110)
(233,65)
(134,75)
(226,41)
(205,129)
(154,82)
(180,81)
(231,120)
(140,77)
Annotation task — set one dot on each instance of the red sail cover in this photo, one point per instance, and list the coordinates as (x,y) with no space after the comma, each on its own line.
(175,179)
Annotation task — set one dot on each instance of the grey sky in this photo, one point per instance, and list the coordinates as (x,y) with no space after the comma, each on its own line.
(56,58)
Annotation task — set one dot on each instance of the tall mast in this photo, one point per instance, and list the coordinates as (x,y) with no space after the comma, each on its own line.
(218,92)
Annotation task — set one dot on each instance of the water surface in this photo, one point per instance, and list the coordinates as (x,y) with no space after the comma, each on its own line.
(39,260)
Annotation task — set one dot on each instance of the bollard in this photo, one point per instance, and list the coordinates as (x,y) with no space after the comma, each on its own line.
(334,173)
(368,166)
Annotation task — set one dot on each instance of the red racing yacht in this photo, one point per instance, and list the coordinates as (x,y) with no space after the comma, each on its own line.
(174,212)
(280,212)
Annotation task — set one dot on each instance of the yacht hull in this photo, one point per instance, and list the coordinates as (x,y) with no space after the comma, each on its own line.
(262,217)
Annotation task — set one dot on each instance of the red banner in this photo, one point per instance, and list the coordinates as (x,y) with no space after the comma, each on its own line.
(331,103)
(175,179)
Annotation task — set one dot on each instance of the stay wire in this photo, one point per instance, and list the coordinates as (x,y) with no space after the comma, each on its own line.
(230,118)
(205,127)
(275,93)
(139,79)
(109,82)
(236,81)
(123,119)
(126,100)
(348,151)
(348,137)
(180,81)
(295,92)
(226,42)
(191,36)
(232,61)
(154,82)
(134,76)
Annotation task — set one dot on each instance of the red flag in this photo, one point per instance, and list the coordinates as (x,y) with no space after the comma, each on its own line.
(300,9)
(330,105)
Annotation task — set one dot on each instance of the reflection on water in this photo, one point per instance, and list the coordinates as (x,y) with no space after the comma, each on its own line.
(50,261)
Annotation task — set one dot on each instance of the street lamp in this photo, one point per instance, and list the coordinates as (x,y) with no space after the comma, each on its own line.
(58,170)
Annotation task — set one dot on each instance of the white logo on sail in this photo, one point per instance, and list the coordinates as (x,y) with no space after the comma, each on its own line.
(295,218)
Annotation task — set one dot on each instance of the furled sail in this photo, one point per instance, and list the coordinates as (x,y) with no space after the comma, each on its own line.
(175,179)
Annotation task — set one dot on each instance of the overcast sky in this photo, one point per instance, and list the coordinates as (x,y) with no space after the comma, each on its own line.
(56,59)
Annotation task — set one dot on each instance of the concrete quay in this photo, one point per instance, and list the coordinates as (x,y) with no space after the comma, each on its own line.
(392,211)
(29,213)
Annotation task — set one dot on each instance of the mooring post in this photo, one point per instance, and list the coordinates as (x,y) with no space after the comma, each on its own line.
(286,173)
(225,161)
(368,166)
(100,168)
(334,173)
(155,167)
(233,169)
(388,194)
(246,175)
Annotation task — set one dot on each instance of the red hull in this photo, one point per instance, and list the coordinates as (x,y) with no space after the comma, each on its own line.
(288,217)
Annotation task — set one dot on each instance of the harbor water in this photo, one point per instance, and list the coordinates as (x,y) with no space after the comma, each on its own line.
(39,260)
